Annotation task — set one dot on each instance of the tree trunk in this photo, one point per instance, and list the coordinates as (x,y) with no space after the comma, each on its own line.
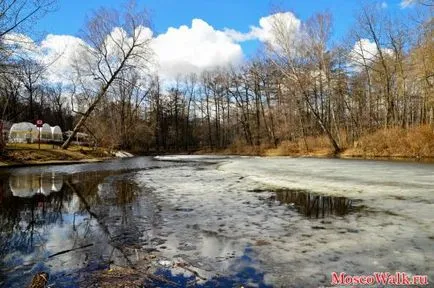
(98,98)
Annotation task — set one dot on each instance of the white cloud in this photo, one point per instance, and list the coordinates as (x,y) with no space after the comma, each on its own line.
(286,22)
(238,36)
(406,3)
(56,52)
(20,42)
(177,51)
(186,49)
(365,49)
(384,5)
(59,53)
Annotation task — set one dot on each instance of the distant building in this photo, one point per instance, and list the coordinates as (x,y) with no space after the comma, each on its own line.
(26,132)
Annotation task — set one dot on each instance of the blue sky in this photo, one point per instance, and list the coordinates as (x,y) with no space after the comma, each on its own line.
(235,14)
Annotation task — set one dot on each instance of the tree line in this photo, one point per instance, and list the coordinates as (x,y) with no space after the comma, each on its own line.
(302,84)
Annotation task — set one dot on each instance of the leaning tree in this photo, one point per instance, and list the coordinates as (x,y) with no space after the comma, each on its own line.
(114,42)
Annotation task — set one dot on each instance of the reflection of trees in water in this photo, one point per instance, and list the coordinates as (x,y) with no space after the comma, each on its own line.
(115,204)
(104,195)
(107,197)
(96,205)
(126,192)
(21,219)
(314,205)
(89,184)
(44,201)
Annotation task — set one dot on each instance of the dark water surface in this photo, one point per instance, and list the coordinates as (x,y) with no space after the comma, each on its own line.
(231,221)
(45,210)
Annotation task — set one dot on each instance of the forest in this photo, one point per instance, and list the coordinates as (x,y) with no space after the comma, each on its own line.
(303,92)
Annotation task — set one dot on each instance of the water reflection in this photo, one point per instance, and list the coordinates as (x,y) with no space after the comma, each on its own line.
(314,205)
(46,213)
(245,274)
(28,185)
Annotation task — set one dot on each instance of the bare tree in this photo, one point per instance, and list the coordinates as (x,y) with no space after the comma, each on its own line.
(30,73)
(16,17)
(301,54)
(116,42)
(15,14)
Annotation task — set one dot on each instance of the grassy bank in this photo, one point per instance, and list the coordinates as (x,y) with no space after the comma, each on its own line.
(392,143)
(30,154)
(415,143)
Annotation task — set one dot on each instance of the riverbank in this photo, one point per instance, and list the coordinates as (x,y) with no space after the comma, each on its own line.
(412,144)
(320,153)
(391,144)
(30,154)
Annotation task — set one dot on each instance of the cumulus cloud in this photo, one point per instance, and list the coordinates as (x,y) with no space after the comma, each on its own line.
(20,44)
(365,49)
(186,49)
(200,47)
(59,53)
(56,52)
(286,22)
(238,36)
(177,51)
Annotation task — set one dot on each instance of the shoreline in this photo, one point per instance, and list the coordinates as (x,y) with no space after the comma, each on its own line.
(342,155)
(429,159)
(10,163)
(51,163)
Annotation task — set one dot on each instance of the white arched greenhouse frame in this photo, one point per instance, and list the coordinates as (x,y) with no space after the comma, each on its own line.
(26,132)
(23,132)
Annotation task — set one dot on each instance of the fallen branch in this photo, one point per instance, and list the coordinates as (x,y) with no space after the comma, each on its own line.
(161,279)
(195,273)
(69,250)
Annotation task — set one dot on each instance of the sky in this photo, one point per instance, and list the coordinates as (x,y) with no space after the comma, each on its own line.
(69,17)
(193,35)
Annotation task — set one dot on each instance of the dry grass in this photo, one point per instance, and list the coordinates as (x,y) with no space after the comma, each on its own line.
(240,148)
(316,146)
(31,154)
(311,146)
(118,277)
(416,142)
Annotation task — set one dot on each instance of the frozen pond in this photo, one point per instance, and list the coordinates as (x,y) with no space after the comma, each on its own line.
(216,221)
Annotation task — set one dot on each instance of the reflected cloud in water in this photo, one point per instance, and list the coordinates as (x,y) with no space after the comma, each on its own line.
(244,273)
